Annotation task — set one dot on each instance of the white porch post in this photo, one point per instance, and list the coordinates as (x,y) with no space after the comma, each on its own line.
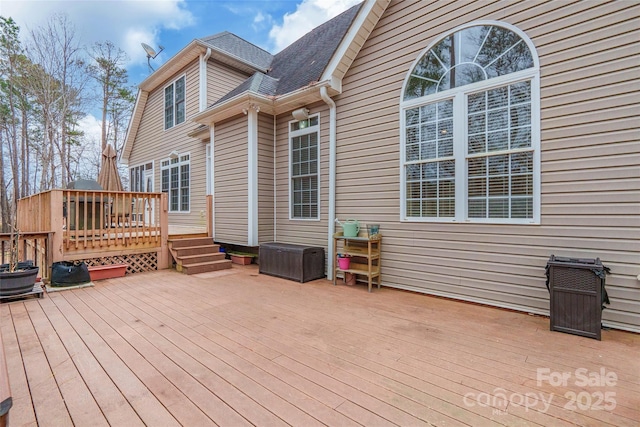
(252,184)
(212,177)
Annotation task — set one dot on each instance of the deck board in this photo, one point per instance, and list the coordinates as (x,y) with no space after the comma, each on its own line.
(78,399)
(241,348)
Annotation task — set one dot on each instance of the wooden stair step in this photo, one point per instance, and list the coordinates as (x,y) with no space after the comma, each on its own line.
(204,267)
(192,259)
(197,241)
(196,250)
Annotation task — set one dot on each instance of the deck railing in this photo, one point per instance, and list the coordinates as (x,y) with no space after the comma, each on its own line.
(84,223)
(31,247)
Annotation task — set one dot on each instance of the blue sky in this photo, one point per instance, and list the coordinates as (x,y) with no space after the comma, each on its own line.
(269,24)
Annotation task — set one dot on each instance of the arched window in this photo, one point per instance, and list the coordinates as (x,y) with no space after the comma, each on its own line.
(470,129)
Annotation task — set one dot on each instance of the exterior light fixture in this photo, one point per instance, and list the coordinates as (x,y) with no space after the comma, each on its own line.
(300,114)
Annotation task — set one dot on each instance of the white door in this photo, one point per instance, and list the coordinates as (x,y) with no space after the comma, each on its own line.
(149,209)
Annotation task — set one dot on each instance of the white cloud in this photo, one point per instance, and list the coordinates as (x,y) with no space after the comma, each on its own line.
(92,128)
(126,23)
(308,15)
(261,21)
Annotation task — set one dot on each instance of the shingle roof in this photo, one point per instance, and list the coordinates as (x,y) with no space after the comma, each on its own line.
(301,63)
(258,83)
(240,48)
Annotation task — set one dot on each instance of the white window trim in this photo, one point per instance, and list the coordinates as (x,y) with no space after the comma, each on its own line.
(179,178)
(459,116)
(153,170)
(293,134)
(174,103)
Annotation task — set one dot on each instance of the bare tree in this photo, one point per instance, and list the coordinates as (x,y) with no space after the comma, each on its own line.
(59,89)
(43,89)
(11,63)
(117,100)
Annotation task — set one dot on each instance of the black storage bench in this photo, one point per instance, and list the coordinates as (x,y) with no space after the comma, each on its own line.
(296,262)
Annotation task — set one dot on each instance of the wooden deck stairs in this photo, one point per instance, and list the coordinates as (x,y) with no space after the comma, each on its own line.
(197,255)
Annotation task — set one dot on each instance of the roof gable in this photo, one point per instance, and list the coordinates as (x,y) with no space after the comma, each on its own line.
(233,45)
(304,61)
(288,80)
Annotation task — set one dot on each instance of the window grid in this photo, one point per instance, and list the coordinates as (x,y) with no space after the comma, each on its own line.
(500,157)
(304,149)
(490,170)
(175,177)
(174,103)
(430,168)
(136,177)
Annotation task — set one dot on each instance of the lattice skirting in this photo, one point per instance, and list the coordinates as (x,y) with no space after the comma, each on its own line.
(138,263)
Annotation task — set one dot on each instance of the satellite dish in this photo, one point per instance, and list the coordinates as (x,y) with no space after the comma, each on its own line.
(151,54)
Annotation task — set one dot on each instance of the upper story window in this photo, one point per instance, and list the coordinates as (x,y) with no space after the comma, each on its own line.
(174,103)
(175,180)
(470,138)
(304,154)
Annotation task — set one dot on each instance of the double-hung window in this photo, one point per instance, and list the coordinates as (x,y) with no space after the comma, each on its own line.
(174,103)
(470,129)
(175,181)
(304,154)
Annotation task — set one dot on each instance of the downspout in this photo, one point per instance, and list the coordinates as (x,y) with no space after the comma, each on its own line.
(203,79)
(275,200)
(331,216)
(212,131)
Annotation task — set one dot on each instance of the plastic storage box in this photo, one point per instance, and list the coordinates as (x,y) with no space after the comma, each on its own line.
(295,262)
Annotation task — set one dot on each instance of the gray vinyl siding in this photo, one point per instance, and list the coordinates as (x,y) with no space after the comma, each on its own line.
(231,181)
(221,80)
(265,179)
(152,142)
(590,156)
(307,232)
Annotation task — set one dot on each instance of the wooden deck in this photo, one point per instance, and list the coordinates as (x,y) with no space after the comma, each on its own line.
(236,348)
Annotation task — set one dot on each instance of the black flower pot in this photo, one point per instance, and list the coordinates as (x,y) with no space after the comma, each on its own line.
(18,282)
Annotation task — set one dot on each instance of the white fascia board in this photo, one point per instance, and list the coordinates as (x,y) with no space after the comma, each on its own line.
(134,124)
(366,20)
(240,63)
(232,107)
(268,105)
(301,97)
(186,55)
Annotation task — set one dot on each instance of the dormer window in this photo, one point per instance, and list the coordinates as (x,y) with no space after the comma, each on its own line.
(174,103)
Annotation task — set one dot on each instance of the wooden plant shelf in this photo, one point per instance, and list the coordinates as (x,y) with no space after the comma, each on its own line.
(365,256)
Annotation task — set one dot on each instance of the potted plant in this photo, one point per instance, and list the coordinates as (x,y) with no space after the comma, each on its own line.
(100,272)
(344,261)
(242,258)
(16,278)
